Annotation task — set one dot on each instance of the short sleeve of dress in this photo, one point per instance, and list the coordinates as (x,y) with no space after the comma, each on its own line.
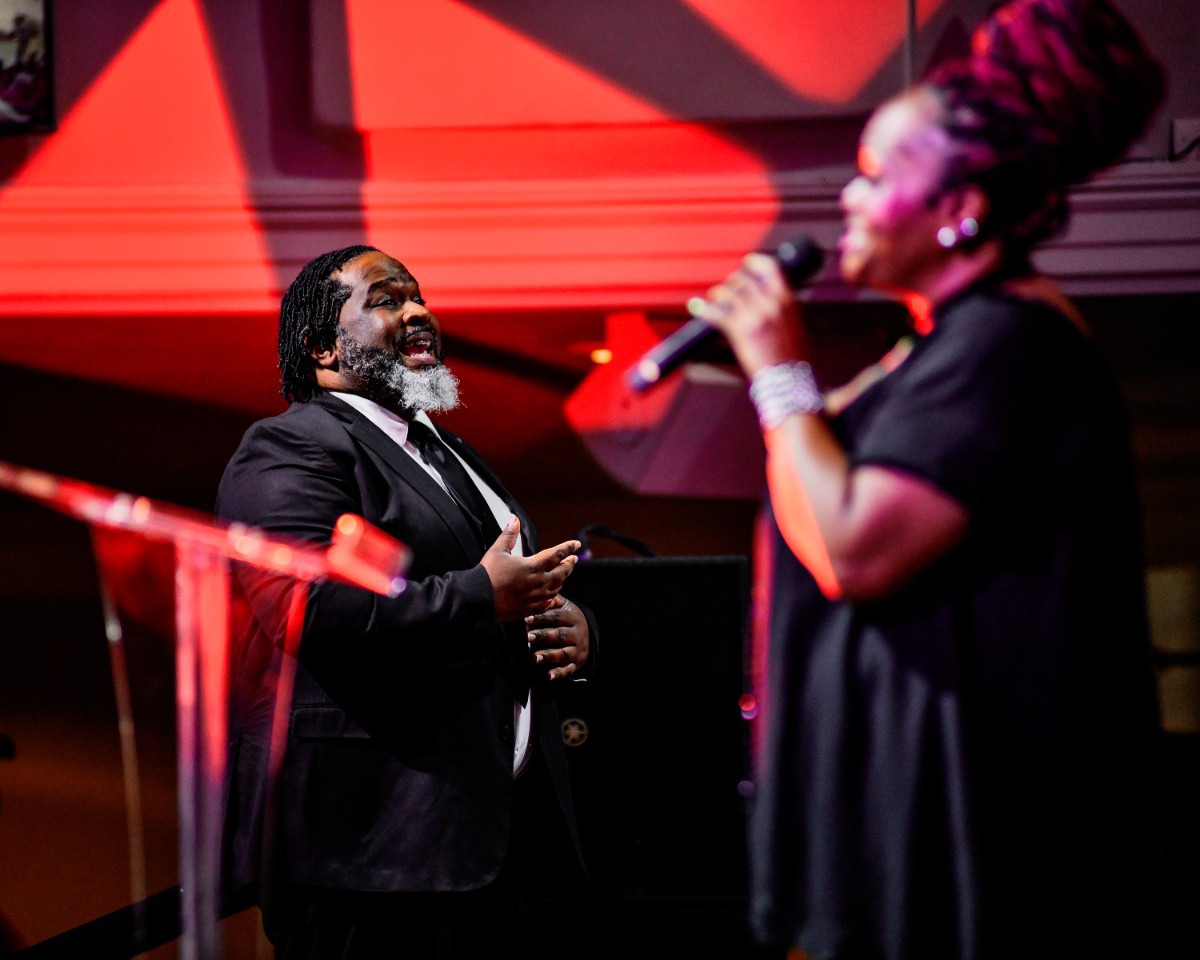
(993,379)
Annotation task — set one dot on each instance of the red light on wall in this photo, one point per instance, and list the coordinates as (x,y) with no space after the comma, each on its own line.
(461,69)
(825,51)
(156,114)
(140,191)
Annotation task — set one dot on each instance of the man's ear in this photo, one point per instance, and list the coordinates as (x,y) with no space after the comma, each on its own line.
(325,357)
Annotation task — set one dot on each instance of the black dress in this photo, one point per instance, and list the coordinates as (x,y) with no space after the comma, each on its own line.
(960,770)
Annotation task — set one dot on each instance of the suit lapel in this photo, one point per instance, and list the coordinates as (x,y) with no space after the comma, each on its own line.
(480,466)
(408,472)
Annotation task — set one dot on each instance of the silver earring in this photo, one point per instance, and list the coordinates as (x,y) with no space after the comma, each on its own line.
(969,227)
(947,237)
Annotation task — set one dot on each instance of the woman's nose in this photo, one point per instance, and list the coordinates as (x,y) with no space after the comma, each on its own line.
(851,191)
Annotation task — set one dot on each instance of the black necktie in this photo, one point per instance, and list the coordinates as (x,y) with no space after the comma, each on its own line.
(462,488)
(466,494)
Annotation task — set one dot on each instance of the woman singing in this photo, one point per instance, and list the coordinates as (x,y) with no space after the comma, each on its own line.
(959,711)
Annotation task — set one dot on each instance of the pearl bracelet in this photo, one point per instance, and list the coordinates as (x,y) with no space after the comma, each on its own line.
(783,389)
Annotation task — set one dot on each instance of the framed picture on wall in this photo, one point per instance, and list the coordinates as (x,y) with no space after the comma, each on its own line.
(26,67)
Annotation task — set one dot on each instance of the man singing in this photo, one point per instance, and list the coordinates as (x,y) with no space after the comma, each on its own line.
(423,752)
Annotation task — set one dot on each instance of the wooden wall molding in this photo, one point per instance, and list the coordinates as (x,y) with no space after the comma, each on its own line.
(555,244)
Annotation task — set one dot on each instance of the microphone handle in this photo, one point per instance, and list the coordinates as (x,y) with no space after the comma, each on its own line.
(667,354)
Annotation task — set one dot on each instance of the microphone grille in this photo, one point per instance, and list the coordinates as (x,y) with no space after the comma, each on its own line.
(800,259)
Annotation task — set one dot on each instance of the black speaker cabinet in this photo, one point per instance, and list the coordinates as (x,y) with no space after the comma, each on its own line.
(657,743)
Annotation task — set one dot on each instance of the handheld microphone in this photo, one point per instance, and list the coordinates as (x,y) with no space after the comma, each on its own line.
(800,260)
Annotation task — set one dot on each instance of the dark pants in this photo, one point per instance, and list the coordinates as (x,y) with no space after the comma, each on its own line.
(321,924)
(347,925)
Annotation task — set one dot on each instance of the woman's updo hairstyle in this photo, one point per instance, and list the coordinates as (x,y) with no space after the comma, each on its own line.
(1053,92)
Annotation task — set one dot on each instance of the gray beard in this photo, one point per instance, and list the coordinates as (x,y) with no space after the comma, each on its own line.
(388,381)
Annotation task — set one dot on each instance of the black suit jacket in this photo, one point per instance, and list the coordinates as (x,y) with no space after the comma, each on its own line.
(398,770)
